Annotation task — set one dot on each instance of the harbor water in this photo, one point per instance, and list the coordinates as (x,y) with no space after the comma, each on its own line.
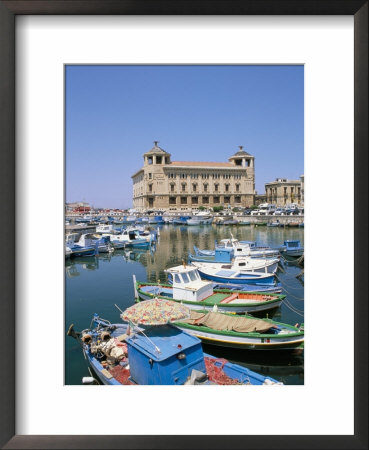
(95,284)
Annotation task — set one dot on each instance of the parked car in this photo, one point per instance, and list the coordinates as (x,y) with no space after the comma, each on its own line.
(279,212)
(247,212)
(255,212)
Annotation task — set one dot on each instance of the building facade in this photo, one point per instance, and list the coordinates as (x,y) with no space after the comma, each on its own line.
(166,185)
(282,191)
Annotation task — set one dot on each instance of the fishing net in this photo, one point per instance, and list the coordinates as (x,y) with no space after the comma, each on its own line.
(214,369)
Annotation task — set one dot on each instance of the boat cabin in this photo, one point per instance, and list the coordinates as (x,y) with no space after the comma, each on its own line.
(188,285)
(164,355)
(292,244)
(105,229)
(223,255)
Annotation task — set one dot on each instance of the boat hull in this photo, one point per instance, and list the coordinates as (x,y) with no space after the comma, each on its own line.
(252,278)
(216,369)
(82,252)
(239,342)
(164,291)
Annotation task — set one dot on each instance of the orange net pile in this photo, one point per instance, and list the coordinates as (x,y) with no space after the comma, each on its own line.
(216,373)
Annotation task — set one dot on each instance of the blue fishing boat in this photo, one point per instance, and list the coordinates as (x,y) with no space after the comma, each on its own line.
(241,263)
(155,355)
(156,220)
(181,220)
(292,249)
(77,250)
(226,273)
(102,244)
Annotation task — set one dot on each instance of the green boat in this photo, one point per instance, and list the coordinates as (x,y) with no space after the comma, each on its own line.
(197,294)
(245,332)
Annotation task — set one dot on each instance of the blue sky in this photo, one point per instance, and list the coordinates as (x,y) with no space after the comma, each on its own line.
(197,113)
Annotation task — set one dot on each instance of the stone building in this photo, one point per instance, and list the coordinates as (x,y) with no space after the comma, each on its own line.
(282,191)
(166,185)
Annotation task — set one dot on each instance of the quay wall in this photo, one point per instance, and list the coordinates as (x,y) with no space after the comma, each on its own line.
(253,219)
(281,219)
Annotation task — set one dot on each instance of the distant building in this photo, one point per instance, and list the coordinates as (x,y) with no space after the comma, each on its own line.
(78,207)
(260,199)
(282,191)
(164,185)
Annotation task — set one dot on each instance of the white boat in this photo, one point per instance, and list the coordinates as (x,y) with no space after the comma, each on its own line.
(102,244)
(247,248)
(67,252)
(134,237)
(105,229)
(245,264)
(238,273)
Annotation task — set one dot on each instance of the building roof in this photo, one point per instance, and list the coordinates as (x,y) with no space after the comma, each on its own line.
(241,153)
(200,164)
(156,149)
(284,181)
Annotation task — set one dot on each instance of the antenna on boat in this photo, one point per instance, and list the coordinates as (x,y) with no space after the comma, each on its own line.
(135,287)
(118,308)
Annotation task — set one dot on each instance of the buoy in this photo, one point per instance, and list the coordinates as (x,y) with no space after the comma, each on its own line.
(88,380)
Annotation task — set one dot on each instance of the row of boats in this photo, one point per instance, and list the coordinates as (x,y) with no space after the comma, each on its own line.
(106,239)
(199,218)
(214,298)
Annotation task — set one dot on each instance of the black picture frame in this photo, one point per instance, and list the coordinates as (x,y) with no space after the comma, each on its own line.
(8,11)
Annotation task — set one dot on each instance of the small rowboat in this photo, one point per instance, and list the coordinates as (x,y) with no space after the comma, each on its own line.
(245,332)
(228,273)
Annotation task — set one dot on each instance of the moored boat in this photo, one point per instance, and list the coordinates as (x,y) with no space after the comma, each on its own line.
(242,264)
(101,244)
(292,249)
(76,249)
(274,223)
(155,355)
(241,248)
(188,288)
(229,273)
(246,332)
(181,220)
